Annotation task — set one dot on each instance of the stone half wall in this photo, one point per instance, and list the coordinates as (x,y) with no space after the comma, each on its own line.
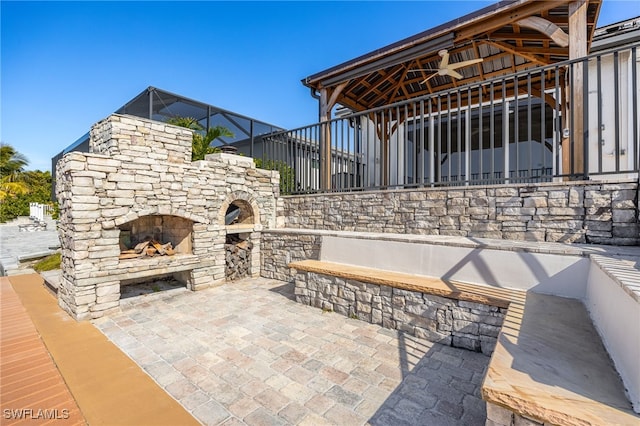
(457,323)
(574,212)
(138,168)
(281,248)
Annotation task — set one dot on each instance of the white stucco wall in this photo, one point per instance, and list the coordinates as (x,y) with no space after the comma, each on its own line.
(559,275)
(616,316)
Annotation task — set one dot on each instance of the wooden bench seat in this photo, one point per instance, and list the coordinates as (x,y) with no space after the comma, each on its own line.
(487,295)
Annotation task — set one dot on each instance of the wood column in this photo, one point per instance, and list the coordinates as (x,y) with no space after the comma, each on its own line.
(325,141)
(326,104)
(577,49)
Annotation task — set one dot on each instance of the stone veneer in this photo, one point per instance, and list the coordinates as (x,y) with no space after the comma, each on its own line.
(138,168)
(580,212)
(499,416)
(281,248)
(451,322)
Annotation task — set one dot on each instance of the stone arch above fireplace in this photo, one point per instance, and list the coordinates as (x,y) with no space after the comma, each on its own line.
(242,209)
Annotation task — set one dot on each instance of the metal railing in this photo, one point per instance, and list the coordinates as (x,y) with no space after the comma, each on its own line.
(571,120)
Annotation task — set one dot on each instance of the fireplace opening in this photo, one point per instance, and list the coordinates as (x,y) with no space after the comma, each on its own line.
(146,286)
(238,256)
(239,212)
(156,235)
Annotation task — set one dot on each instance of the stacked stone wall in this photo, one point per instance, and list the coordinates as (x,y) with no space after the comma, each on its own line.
(136,168)
(280,248)
(458,323)
(580,212)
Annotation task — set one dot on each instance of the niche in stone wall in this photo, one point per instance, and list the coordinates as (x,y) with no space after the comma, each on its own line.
(239,212)
(169,231)
(238,246)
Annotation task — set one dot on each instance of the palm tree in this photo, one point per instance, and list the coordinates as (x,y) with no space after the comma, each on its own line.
(11,161)
(201,142)
(188,122)
(12,164)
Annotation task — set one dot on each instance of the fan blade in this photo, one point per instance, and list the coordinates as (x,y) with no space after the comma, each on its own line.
(428,78)
(424,69)
(457,65)
(454,74)
(445,58)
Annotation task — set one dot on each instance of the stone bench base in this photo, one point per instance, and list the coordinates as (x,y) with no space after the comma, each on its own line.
(457,314)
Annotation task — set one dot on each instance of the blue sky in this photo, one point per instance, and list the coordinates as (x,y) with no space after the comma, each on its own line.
(66,65)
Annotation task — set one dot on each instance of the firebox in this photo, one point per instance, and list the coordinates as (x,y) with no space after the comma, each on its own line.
(173,232)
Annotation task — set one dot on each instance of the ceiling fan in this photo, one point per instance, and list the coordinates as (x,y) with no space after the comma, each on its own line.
(445,68)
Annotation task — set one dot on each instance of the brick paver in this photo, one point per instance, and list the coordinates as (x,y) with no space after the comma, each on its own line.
(247,353)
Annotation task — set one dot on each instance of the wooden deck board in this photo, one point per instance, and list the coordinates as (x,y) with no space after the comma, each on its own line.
(30,379)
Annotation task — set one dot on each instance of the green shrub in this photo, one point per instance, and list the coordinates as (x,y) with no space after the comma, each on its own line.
(12,207)
(49,263)
(287,175)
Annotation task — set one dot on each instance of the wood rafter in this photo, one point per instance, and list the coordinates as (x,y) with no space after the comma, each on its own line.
(477,50)
(518,36)
(527,9)
(401,85)
(514,50)
(543,52)
(547,28)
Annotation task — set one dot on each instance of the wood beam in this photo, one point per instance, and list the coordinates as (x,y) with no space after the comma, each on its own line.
(518,36)
(506,18)
(400,85)
(556,51)
(477,50)
(547,28)
(548,99)
(515,51)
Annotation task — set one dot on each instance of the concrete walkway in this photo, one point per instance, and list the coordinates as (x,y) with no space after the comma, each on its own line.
(15,244)
(246,353)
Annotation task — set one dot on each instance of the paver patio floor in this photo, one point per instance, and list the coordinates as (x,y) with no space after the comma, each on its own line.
(247,353)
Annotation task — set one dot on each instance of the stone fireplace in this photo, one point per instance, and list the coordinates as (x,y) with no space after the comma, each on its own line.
(138,184)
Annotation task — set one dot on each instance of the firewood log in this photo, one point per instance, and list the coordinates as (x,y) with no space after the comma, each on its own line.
(158,247)
(139,248)
(124,256)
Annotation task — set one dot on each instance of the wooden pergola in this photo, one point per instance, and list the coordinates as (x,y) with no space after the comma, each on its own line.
(508,36)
